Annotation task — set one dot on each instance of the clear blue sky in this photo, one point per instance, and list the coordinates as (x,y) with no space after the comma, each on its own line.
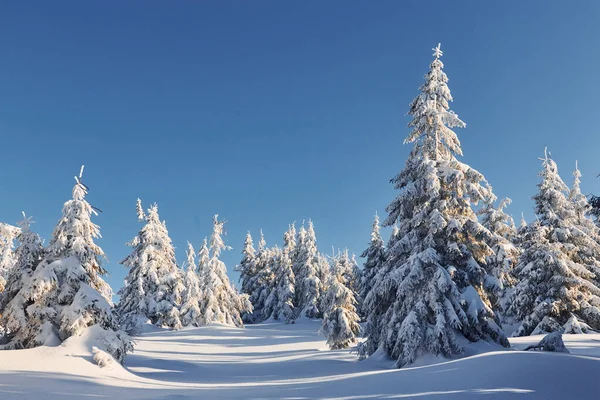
(269,112)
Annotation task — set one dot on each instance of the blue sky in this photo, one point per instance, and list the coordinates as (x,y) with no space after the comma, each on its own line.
(269,112)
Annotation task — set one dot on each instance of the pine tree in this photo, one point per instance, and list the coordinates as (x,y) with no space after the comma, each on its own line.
(249,274)
(66,293)
(502,235)
(14,300)
(153,286)
(375,257)
(190,307)
(8,233)
(220,302)
(280,303)
(431,288)
(265,281)
(556,271)
(340,320)
(306,271)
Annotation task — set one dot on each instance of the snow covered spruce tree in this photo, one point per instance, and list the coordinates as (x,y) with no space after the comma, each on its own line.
(280,303)
(249,275)
(306,270)
(66,293)
(220,301)
(340,320)
(190,306)
(263,284)
(502,237)
(154,284)
(14,300)
(432,288)
(8,233)
(374,258)
(556,270)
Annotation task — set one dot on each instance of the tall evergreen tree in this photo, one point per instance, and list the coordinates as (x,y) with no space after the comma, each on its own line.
(221,302)
(14,300)
(306,270)
(154,284)
(431,289)
(8,233)
(66,293)
(249,275)
(280,303)
(190,306)
(502,235)
(265,281)
(374,257)
(340,320)
(556,286)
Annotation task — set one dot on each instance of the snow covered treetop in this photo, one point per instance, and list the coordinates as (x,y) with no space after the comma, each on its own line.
(216,240)
(432,117)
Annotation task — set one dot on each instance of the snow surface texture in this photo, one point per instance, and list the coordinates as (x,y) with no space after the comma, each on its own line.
(275,360)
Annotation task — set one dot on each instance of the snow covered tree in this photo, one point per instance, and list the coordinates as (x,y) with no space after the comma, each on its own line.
(66,293)
(264,283)
(14,301)
(154,284)
(350,270)
(340,320)
(280,303)
(374,258)
(249,276)
(559,264)
(431,288)
(190,307)
(306,271)
(7,256)
(220,301)
(502,234)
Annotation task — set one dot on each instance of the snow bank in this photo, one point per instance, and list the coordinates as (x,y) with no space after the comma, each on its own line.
(288,361)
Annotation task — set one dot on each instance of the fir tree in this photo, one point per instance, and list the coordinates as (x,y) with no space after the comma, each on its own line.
(280,303)
(190,307)
(502,234)
(306,271)
(220,302)
(7,256)
(340,320)
(249,274)
(153,286)
(556,286)
(66,293)
(431,288)
(14,300)
(265,281)
(374,258)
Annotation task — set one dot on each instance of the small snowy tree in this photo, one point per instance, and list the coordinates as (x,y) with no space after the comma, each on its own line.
(431,288)
(340,320)
(66,293)
(280,303)
(190,307)
(306,271)
(555,271)
(374,258)
(14,301)
(264,283)
(154,284)
(249,276)
(220,301)
(502,234)
(7,256)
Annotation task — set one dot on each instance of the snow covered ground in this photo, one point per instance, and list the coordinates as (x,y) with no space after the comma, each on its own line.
(273,360)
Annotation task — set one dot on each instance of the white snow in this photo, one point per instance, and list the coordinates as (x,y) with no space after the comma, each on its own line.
(275,360)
